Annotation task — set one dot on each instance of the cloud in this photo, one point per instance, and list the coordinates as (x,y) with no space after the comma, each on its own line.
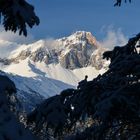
(113,38)
(14,37)
(9,41)
(51,43)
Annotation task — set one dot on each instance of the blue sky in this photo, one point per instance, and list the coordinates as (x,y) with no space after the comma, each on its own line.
(62,17)
(59,18)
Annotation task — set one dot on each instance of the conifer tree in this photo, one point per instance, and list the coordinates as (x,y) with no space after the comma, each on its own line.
(16,15)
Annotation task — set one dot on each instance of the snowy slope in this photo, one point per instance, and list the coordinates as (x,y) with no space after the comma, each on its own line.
(32,90)
(53,71)
(6,47)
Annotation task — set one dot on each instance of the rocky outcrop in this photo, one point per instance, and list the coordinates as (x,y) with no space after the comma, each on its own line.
(96,59)
(82,52)
(77,57)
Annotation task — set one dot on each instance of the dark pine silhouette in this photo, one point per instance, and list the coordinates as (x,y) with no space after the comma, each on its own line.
(10,126)
(16,15)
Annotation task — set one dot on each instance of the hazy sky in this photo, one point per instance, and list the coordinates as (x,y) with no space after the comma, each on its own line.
(62,17)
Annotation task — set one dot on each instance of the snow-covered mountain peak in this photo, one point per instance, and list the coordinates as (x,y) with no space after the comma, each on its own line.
(79,37)
(79,50)
(46,67)
(75,51)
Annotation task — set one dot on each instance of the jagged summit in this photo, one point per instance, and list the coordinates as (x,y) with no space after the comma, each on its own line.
(81,49)
(80,37)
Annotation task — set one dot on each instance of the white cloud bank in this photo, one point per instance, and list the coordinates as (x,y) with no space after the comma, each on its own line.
(9,41)
(114,38)
(14,37)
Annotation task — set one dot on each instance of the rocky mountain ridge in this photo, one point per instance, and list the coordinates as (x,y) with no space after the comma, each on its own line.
(78,50)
